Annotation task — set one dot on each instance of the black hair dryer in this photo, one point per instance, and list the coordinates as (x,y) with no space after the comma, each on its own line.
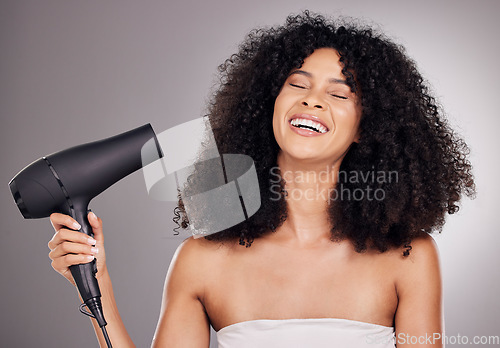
(66,181)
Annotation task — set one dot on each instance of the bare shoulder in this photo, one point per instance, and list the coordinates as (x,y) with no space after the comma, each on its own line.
(424,246)
(196,257)
(195,252)
(423,253)
(421,265)
(194,249)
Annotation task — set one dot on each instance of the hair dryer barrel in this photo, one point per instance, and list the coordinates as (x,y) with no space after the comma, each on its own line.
(89,169)
(80,173)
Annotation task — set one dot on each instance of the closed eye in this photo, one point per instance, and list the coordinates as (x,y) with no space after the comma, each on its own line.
(338,96)
(297,86)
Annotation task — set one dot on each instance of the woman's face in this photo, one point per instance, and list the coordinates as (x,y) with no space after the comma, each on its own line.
(316,116)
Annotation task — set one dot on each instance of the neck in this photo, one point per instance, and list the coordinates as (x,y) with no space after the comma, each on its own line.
(309,187)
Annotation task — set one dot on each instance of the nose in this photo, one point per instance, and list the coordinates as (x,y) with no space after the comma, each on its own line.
(317,106)
(314,101)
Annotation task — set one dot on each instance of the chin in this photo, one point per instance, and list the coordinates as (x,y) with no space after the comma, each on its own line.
(305,156)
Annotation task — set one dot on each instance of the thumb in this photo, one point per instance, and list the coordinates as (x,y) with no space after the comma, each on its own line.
(96,224)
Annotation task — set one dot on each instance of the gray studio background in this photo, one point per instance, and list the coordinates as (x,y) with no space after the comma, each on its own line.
(76,71)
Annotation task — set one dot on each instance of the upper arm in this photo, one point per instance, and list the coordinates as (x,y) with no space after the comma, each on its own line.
(419,317)
(183,321)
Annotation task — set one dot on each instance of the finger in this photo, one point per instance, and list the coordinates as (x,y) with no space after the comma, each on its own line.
(60,220)
(61,264)
(66,248)
(64,235)
(96,224)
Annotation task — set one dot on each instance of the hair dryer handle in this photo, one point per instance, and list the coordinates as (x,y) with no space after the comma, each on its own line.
(84,274)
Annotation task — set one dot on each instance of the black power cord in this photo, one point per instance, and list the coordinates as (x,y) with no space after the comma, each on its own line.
(103,327)
(105,334)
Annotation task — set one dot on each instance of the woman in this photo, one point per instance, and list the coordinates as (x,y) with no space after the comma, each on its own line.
(356,166)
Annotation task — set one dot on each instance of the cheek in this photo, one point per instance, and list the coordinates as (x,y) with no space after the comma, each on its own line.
(283,104)
(277,128)
(349,117)
(278,104)
(278,114)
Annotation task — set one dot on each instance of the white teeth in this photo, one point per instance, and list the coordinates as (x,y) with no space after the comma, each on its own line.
(297,122)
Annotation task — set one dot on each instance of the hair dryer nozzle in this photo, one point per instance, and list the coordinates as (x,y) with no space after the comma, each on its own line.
(37,192)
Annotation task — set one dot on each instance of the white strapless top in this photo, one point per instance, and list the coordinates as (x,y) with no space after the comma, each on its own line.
(305,333)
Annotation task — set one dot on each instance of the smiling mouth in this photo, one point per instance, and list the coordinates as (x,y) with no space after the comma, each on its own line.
(309,125)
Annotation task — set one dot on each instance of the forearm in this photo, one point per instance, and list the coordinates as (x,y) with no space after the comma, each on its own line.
(117,332)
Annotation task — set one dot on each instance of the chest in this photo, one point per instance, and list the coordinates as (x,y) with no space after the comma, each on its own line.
(284,284)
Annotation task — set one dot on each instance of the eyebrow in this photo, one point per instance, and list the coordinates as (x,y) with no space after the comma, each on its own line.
(308,74)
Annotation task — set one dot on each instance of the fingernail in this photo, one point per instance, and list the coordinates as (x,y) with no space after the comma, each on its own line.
(89,257)
(94,250)
(91,241)
(93,215)
(76,225)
